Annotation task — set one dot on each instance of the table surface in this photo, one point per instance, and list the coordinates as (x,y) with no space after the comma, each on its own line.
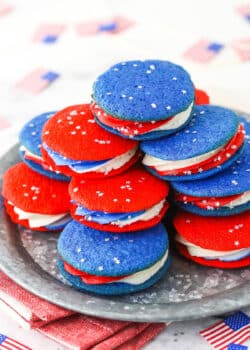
(163,29)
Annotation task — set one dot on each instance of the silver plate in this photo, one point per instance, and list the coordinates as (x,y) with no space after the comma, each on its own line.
(188,291)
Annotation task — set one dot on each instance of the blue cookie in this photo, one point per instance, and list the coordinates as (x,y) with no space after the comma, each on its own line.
(234,181)
(97,261)
(143,99)
(210,143)
(30,140)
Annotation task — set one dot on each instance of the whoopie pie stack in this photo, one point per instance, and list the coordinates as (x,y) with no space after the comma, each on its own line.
(107,163)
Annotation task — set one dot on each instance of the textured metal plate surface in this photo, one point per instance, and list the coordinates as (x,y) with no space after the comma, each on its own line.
(187,291)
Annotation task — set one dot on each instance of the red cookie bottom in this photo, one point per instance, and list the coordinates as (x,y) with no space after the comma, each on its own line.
(91,279)
(139,225)
(213,263)
(14,217)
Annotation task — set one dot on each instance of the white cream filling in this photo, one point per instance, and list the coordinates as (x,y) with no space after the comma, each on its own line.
(112,164)
(195,250)
(239,201)
(163,165)
(144,275)
(177,121)
(28,153)
(38,220)
(148,215)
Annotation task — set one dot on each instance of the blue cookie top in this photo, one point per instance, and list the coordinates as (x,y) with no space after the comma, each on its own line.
(209,128)
(144,90)
(107,254)
(31,133)
(233,180)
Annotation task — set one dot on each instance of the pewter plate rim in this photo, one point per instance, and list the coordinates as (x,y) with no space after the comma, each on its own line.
(20,266)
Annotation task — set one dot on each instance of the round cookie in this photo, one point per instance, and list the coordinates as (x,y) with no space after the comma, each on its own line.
(143,99)
(35,201)
(76,146)
(30,138)
(201,97)
(226,193)
(119,204)
(100,262)
(211,142)
(214,241)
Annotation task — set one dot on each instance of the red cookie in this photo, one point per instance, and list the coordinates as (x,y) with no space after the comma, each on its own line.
(31,198)
(213,263)
(75,145)
(127,202)
(201,97)
(221,235)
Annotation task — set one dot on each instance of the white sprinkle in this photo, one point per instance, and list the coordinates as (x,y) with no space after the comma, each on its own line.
(79,250)
(75,189)
(46,132)
(69,117)
(71,122)
(115,200)
(139,87)
(236,243)
(106,239)
(82,259)
(26,194)
(73,112)
(116,260)
(174,78)
(115,69)
(184,91)
(123,95)
(128,200)
(152,66)
(33,133)
(135,65)
(83,132)
(230,230)
(34,198)
(148,71)
(194,140)
(234,182)
(168,107)
(228,155)
(131,240)
(188,221)
(31,125)
(82,113)
(24,185)
(78,127)
(153,105)
(100,268)
(202,112)
(73,132)
(108,93)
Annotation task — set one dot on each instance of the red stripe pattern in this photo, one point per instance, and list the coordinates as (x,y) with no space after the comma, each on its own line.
(7,343)
(233,329)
